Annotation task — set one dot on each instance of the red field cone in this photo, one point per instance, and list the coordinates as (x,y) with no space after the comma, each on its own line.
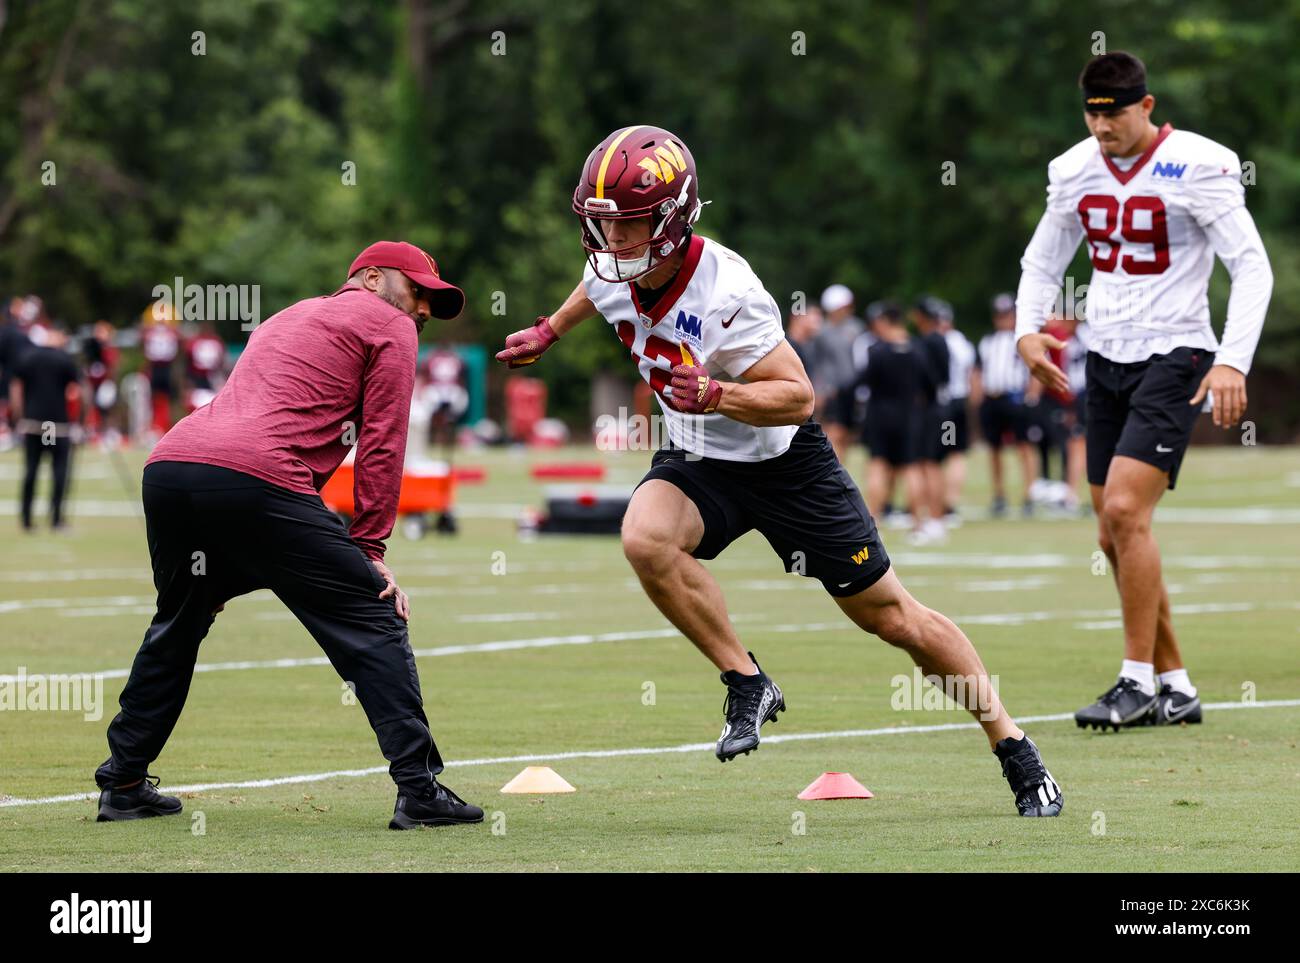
(538,779)
(835,785)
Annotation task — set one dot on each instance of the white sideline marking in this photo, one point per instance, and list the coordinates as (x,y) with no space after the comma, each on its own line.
(320,660)
(1096,617)
(611,753)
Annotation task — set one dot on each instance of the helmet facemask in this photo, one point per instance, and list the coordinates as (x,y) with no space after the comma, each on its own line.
(669,231)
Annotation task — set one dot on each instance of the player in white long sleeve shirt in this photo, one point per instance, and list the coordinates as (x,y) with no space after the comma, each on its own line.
(1155,206)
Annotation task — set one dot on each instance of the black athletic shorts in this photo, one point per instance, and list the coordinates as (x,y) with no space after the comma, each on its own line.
(929,443)
(1047,421)
(1141,410)
(1002,415)
(955,412)
(842,408)
(893,432)
(1079,423)
(802,501)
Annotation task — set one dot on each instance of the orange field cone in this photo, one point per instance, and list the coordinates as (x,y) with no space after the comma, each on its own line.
(835,785)
(536,779)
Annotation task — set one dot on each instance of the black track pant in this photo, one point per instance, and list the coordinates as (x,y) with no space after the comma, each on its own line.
(215,534)
(60,454)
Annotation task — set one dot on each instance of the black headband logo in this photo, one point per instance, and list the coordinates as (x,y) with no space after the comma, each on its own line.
(1112,98)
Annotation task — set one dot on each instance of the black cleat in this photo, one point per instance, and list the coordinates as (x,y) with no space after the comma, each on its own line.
(1122,705)
(1173,707)
(438,807)
(1037,793)
(750,702)
(141,801)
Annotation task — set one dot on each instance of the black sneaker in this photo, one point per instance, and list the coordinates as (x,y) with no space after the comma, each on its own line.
(1037,793)
(1122,705)
(1172,707)
(140,801)
(750,702)
(998,508)
(438,807)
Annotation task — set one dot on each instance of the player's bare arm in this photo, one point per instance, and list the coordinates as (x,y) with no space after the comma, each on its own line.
(577,307)
(526,346)
(776,391)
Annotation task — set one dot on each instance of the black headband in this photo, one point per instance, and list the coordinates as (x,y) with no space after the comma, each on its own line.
(1112,98)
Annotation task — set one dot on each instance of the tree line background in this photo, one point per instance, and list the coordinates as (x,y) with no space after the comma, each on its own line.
(821,130)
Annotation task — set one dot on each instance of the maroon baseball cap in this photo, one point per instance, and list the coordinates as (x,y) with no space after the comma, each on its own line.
(445,300)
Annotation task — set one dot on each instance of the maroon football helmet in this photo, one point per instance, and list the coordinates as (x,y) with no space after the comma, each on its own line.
(637,172)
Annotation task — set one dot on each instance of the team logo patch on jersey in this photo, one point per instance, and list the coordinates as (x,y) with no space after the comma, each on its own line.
(647,322)
(688,325)
(1168,170)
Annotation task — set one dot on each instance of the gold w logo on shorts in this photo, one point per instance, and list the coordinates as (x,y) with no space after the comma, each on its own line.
(860,557)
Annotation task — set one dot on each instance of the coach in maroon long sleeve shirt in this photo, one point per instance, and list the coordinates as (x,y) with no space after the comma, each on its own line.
(317,377)
(231,502)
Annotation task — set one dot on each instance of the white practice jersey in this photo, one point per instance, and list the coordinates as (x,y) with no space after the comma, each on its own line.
(961,359)
(715,312)
(1152,225)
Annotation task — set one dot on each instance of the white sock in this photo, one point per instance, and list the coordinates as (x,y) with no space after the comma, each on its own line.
(1143,673)
(1178,680)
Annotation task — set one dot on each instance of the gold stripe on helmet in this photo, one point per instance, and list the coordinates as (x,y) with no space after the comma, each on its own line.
(609,155)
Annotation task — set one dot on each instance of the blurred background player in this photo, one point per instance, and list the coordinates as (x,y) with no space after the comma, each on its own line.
(443,397)
(1062,416)
(13,344)
(1156,206)
(44,389)
(444,392)
(161,345)
(895,372)
(934,437)
(101,357)
(801,331)
(33,322)
(205,366)
(834,366)
(961,365)
(999,383)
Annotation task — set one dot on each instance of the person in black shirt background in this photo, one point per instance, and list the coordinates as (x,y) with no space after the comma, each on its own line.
(897,374)
(931,441)
(38,393)
(13,345)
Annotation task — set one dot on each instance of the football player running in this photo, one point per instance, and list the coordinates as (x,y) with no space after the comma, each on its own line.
(743,451)
(1156,205)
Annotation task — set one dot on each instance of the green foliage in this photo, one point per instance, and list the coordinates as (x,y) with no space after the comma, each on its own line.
(823,165)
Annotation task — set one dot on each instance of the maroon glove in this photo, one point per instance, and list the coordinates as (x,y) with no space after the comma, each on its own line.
(694,392)
(526,346)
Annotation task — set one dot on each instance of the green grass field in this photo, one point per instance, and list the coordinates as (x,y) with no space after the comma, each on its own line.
(1215,797)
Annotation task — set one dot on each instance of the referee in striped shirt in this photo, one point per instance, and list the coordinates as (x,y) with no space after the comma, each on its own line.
(998,390)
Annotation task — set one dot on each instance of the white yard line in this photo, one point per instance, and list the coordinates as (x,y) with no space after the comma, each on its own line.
(612,753)
(549,641)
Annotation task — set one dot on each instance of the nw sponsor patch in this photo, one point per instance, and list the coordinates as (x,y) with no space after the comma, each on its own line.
(689,325)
